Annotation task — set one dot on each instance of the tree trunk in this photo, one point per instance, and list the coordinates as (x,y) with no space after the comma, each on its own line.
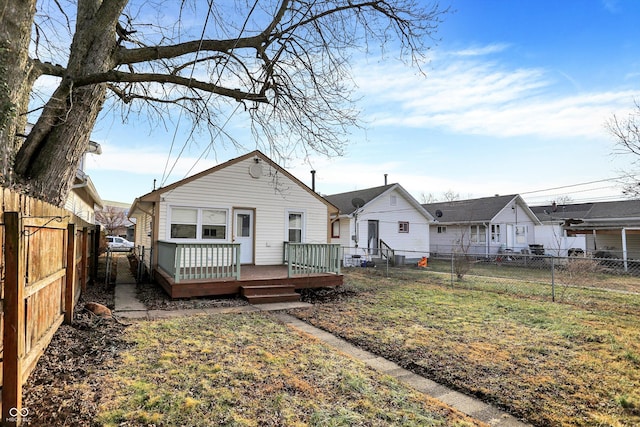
(48,159)
(16,77)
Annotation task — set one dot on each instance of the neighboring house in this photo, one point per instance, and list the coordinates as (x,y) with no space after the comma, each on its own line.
(610,228)
(114,218)
(381,222)
(482,227)
(212,232)
(552,233)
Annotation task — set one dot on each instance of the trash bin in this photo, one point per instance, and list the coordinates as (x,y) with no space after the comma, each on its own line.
(536,249)
(398,259)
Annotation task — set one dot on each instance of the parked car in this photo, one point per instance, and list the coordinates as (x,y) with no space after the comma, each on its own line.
(116,243)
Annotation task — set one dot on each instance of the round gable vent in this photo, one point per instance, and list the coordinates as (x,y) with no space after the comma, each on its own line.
(255,170)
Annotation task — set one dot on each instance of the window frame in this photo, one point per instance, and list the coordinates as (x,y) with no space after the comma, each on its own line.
(335,234)
(303,223)
(199,224)
(495,233)
(402,228)
(479,235)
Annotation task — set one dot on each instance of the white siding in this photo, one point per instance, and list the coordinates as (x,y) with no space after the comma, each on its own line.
(80,208)
(613,243)
(271,195)
(555,242)
(413,245)
(142,237)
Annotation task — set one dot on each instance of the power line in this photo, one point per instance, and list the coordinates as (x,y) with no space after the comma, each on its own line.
(575,185)
(244,25)
(175,133)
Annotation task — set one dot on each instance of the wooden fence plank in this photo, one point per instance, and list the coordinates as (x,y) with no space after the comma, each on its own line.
(69,297)
(13,334)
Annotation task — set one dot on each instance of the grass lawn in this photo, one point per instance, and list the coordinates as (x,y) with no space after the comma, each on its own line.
(575,362)
(250,370)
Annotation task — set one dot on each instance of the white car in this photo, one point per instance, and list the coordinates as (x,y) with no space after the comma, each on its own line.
(116,243)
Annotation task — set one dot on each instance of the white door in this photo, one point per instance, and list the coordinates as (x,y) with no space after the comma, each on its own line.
(243,234)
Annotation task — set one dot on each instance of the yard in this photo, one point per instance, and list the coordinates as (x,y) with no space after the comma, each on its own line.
(574,362)
(226,369)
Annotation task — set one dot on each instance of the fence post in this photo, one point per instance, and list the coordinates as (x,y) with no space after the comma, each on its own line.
(553,279)
(84,260)
(70,275)
(14,320)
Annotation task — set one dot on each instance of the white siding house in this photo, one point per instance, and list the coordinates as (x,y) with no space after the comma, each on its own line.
(381,222)
(249,202)
(482,227)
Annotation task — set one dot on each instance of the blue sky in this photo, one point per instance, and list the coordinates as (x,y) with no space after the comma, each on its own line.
(515,100)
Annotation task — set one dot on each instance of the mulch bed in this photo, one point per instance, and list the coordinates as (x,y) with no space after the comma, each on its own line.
(67,384)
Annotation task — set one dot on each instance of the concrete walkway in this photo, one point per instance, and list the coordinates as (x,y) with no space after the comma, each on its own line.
(127,306)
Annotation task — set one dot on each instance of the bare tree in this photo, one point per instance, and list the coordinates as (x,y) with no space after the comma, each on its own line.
(446,196)
(626,132)
(283,63)
(113,219)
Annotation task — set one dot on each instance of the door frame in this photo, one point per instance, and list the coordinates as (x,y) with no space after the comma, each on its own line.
(237,210)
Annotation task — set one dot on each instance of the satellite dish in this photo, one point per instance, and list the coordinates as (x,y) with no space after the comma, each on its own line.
(438,213)
(357,202)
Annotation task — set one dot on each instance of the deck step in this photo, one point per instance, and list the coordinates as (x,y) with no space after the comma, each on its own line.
(264,294)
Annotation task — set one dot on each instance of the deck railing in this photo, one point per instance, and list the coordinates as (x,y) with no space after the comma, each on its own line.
(184,261)
(309,258)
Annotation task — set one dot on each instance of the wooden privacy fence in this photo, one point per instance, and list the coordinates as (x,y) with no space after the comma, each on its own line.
(45,263)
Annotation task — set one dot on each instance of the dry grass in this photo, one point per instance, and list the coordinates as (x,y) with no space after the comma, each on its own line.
(569,363)
(249,370)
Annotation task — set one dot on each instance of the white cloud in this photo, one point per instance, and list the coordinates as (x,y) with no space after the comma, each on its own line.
(489,98)
(145,160)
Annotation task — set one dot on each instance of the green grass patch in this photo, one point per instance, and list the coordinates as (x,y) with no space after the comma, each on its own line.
(250,370)
(572,363)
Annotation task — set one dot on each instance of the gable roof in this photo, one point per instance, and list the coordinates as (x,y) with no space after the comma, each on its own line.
(344,201)
(619,213)
(154,196)
(479,210)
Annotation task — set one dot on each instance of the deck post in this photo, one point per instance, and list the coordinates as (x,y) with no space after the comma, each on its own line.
(177,263)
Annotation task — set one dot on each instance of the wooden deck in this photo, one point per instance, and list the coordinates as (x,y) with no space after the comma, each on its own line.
(250,276)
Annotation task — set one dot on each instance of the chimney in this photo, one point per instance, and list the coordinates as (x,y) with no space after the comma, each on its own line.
(385,179)
(313,181)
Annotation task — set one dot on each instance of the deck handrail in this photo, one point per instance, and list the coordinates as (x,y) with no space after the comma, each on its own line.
(309,258)
(184,261)
(385,249)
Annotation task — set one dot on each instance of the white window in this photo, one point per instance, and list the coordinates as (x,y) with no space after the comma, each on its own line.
(214,224)
(403,227)
(393,200)
(198,223)
(478,234)
(442,229)
(295,227)
(184,223)
(495,233)
(335,229)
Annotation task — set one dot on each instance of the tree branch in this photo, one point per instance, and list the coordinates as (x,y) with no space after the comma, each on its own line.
(122,77)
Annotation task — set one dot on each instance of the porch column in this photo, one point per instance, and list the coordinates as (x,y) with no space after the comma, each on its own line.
(624,248)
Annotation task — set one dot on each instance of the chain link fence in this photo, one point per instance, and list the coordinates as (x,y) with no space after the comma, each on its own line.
(547,276)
